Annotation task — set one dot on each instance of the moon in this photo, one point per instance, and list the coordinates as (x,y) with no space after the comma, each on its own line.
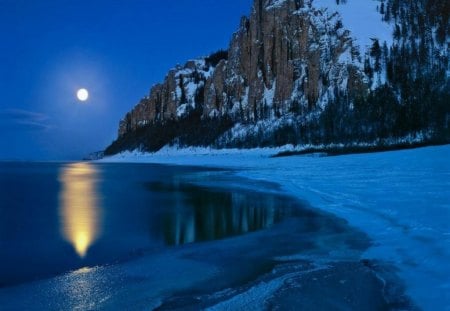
(82,95)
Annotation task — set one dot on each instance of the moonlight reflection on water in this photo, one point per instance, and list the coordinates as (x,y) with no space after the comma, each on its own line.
(79,206)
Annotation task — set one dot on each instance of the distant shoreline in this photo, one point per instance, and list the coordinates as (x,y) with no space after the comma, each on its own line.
(330,151)
(171,154)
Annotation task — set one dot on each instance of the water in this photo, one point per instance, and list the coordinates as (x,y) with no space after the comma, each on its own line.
(67,216)
(79,235)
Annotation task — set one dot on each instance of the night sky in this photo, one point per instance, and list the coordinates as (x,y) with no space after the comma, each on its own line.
(115,49)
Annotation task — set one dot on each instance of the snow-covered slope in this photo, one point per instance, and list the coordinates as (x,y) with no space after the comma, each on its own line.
(363,19)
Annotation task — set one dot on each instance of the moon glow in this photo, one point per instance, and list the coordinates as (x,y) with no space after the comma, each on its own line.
(82,95)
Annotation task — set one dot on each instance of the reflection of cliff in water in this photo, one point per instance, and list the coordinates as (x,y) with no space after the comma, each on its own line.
(196,213)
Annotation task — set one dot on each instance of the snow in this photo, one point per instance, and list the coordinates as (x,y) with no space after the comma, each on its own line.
(269,94)
(182,110)
(275,4)
(362,19)
(400,199)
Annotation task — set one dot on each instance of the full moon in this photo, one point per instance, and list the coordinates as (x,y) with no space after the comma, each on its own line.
(82,95)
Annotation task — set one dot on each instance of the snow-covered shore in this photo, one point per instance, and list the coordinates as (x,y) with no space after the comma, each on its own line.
(401,199)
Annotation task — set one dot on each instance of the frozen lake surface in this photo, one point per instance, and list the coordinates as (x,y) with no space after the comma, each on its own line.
(365,231)
(400,199)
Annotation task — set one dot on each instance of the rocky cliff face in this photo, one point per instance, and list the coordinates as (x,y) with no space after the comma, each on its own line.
(294,74)
(286,57)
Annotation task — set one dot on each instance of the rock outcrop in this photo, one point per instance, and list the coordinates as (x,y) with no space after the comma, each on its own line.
(286,57)
(293,74)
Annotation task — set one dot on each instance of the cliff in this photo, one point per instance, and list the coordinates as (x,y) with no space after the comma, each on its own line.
(291,67)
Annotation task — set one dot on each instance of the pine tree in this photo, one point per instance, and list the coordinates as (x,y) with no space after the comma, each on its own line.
(376,52)
(368,68)
(183,98)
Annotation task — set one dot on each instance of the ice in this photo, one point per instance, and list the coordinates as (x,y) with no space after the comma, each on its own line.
(400,199)
(136,285)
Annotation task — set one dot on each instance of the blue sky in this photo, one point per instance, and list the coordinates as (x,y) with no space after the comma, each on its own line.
(115,49)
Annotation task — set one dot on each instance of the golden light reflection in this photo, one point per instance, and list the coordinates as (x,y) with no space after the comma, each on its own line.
(79,205)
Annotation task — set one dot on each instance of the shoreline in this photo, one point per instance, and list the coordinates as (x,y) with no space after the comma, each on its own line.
(173,153)
(357,149)
(381,193)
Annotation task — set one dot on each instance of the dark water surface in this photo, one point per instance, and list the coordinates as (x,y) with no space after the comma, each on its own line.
(139,236)
(60,217)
